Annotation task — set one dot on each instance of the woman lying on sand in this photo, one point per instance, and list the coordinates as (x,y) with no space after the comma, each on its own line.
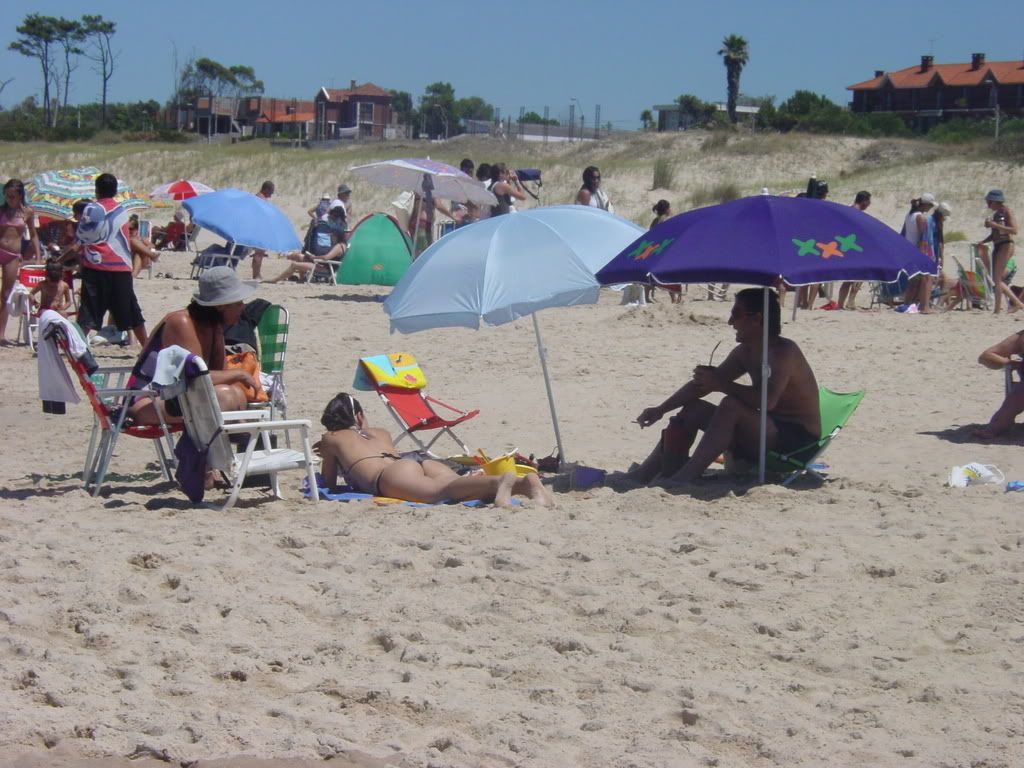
(370,462)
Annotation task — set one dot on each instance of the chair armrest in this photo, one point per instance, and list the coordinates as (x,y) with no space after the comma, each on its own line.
(267,426)
(125,392)
(256,415)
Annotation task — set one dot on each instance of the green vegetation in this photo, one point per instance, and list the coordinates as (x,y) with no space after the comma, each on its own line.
(735,55)
(721,192)
(664,174)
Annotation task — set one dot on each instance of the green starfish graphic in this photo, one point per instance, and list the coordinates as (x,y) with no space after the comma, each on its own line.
(848,243)
(806,247)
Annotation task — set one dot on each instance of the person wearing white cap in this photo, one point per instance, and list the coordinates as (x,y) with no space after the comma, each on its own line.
(1002,226)
(199,328)
(915,229)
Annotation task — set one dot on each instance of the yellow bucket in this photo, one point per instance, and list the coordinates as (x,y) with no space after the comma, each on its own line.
(500,465)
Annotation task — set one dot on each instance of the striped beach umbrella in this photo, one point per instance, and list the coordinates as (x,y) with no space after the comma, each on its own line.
(53,193)
(182,189)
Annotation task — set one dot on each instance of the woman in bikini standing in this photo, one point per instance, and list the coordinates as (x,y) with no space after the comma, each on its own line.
(1003,226)
(17,224)
(370,462)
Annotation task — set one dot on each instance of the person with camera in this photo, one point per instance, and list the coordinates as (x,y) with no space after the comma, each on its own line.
(505,186)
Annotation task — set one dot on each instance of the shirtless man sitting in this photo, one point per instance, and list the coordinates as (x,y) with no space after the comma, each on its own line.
(794,419)
(998,357)
(371,463)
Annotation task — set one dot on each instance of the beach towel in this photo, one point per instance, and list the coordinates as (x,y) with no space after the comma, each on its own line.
(348,493)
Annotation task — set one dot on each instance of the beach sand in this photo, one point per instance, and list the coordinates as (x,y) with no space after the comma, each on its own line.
(875,620)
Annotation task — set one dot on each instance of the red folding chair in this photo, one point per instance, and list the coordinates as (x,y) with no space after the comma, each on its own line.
(399,381)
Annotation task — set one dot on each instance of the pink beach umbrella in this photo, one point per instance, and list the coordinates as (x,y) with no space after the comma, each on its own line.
(182,189)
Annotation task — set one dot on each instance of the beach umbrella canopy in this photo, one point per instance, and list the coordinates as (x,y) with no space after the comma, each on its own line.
(428,177)
(507,267)
(182,189)
(53,193)
(244,219)
(756,240)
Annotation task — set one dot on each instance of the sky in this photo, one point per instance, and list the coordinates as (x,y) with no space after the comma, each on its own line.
(624,56)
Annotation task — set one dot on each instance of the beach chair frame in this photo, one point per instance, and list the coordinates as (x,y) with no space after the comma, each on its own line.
(836,409)
(209,430)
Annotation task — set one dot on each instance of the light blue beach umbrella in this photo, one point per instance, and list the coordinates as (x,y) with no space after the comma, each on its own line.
(506,267)
(244,219)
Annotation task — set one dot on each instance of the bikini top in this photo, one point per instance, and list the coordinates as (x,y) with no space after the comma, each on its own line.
(13,217)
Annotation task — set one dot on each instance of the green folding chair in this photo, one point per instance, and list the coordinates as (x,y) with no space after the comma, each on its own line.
(272,333)
(836,410)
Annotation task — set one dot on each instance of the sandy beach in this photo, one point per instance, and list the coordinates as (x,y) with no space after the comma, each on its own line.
(874,620)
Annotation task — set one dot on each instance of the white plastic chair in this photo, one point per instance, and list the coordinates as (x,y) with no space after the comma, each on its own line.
(206,426)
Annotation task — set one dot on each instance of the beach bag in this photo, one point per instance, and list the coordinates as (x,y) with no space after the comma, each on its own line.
(248,362)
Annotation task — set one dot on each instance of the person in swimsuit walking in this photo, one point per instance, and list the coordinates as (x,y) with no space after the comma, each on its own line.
(17,224)
(368,459)
(1002,225)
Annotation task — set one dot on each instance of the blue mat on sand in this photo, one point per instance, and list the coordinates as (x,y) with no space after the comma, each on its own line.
(347,493)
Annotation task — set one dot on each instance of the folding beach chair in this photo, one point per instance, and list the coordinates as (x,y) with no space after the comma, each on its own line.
(888,293)
(973,287)
(217,256)
(209,432)
(836,409)
(107,394)
(399,381)
(272,335)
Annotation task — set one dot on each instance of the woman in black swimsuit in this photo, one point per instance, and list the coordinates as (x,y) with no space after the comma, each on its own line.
(369,461)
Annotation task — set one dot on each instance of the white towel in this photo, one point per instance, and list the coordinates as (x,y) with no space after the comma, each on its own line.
(170,361)
(54,379)
(18,302)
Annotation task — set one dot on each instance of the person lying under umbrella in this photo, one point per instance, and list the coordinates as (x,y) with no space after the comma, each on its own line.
(370,463)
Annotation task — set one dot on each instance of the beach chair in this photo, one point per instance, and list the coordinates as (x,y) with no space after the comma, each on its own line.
(216,256)
(399,381)
(974,287)
(272,336)
(29,275)
(836,409)
(888,293)
(108,396)
(209,431)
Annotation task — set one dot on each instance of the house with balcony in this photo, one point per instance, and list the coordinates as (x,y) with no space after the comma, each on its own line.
(359,111)
(928,93)
(289,118)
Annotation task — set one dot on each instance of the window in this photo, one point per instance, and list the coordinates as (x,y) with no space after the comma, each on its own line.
(365,112)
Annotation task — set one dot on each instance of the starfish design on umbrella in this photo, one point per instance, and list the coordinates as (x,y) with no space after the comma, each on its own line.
(829,249)
(805,247)
(848,243)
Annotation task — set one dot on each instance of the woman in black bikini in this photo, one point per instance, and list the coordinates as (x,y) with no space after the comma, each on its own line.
(1003,226)
(369,461)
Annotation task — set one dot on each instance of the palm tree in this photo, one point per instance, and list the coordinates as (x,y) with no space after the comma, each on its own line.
(735,56)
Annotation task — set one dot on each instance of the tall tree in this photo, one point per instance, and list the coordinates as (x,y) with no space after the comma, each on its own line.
(437,108)
(735,55)
(646,119)
(100,33)
(70,35)
(37,41)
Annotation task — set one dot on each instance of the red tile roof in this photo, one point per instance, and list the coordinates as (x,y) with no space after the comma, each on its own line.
(281,117)
(1003,72)
(344,94)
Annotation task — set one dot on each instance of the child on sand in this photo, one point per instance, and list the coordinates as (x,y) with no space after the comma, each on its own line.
(53,293)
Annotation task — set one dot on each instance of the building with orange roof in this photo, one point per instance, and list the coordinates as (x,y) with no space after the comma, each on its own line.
(928,93)
(359,111)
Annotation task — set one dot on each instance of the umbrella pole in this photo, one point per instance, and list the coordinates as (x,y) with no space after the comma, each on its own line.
(765,373)
(547,383)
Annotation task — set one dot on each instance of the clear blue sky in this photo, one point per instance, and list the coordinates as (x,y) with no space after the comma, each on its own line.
(624,56)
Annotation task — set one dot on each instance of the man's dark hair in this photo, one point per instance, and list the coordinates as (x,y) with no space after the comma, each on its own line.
(588,176)
(54,271)
(466,166)
(483,172)
(106,185)
(79,206)
(862,197)
(341,412)
(751,300)
(267,187)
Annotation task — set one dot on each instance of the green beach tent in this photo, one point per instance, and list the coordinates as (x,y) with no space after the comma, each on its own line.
(378,253)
